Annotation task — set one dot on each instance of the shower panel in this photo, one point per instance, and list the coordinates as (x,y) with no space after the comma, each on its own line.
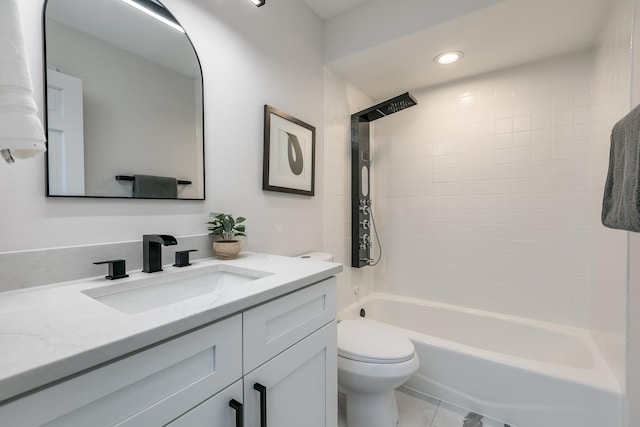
(361,218)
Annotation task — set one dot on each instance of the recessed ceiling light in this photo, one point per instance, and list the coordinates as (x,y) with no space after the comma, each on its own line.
(449,57)
(258,2)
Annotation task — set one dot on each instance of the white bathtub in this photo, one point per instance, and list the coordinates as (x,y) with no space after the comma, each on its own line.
(523,372)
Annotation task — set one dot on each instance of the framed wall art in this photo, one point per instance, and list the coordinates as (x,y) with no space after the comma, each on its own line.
(289,154)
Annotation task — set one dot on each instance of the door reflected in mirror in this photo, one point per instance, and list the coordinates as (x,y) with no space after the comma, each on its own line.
(124,101)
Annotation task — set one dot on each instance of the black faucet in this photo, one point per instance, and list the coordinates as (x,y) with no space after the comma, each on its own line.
(152,251)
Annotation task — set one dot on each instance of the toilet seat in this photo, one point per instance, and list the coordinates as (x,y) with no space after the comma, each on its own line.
(368,341)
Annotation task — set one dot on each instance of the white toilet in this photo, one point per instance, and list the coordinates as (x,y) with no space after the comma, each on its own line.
(373,359)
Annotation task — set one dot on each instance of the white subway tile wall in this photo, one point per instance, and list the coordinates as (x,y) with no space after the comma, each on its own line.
(482,192)
(488,193)
(611,100)
(341,100)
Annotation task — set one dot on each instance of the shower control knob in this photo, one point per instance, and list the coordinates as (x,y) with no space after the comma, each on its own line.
(365,242)
(364,224)
(364,206)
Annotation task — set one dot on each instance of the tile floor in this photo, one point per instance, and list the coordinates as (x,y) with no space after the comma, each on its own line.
(417,410)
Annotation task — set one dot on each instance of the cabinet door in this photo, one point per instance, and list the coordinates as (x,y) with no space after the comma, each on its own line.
(300,385)
(216,411)
(271,328)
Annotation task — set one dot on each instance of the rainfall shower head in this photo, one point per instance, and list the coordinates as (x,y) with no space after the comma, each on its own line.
(386,108)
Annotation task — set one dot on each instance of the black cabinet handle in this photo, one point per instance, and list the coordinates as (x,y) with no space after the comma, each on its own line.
(237,406)
(263,403)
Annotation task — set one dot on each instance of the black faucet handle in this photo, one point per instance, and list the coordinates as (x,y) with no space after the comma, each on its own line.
(182,258)
(117,268)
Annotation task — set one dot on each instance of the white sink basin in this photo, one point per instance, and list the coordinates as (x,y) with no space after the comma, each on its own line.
(160,289)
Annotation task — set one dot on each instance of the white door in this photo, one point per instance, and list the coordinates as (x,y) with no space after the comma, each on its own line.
(65,134)
(296,388)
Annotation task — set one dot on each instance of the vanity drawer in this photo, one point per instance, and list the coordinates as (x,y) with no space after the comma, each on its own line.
(275,326)
(149,388)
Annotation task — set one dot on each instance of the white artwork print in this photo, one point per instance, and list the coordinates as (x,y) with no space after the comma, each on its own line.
(292,155)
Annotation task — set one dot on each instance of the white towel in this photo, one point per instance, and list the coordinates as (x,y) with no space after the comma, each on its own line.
(21,132)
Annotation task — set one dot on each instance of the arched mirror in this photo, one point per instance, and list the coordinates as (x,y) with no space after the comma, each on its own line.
(124,98)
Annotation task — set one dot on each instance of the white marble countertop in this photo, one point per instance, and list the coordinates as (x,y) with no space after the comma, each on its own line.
(50,332)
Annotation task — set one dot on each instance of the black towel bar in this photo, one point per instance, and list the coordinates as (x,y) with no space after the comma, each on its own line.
(130,178)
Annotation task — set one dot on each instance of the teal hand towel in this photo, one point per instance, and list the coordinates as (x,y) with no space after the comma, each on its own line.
(155,187)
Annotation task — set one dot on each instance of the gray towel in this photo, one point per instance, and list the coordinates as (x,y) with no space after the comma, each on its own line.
(621,202)
(155,187)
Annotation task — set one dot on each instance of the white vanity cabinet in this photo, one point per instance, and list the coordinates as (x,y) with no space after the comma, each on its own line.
(290,360)
(287,345)
(290,366)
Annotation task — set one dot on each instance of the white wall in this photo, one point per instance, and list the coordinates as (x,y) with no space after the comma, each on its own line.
(611,95)
(249,59)
(341,99)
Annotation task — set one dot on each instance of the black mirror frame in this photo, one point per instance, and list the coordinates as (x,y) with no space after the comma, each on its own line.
(45,120)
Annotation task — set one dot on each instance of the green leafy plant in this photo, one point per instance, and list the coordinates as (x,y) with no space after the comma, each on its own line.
(226,226)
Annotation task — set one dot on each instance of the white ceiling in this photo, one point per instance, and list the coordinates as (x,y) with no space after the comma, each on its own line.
(386,47)
(327,9)
(502,33)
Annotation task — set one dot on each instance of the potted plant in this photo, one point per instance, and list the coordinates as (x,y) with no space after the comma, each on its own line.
(226,227)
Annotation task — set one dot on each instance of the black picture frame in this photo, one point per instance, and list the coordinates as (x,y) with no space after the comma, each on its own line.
(289,154)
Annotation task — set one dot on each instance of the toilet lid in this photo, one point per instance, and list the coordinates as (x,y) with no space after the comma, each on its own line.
(369,341)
